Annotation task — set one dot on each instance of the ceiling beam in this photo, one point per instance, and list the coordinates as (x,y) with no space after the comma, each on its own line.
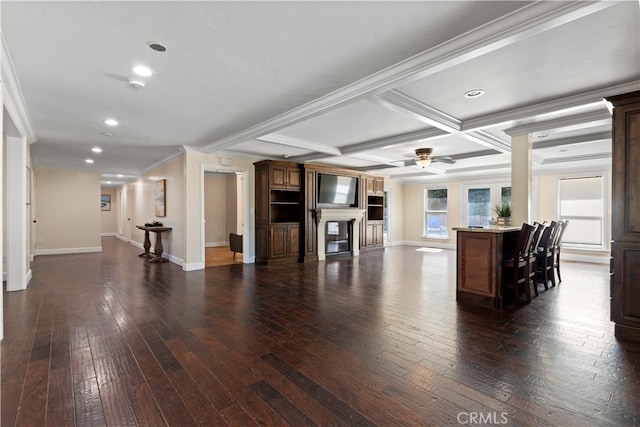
(530,20)
(300,143)
(573,140)
(392,141)
(564,124)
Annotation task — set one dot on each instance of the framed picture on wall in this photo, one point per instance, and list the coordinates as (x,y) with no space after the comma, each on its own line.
(105,202)
(160,198)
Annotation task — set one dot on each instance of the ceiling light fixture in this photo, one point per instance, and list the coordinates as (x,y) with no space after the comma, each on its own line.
(423,163)
(157,47)
(96,150)
(142,70)
(136,84)
(108,182)
(120,175)
(106,134)
(111,122)
(89,161)
(474,93)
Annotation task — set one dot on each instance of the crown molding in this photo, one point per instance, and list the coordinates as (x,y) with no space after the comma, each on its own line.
(597,156)
(582,139)
(556,105)
(530,20)
(12,97)
(404,104)
(579,121)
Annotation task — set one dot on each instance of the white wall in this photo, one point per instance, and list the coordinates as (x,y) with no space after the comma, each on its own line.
(67,211)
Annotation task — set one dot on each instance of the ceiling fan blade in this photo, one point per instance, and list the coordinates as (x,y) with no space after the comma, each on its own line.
(447,160)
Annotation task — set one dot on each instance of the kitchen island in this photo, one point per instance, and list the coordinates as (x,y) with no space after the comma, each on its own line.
(479,258)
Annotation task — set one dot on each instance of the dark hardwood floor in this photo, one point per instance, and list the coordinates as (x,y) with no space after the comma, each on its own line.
(109,339)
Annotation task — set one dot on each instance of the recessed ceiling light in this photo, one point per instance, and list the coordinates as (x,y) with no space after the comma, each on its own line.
(136,84)
(474,93)
(142,70)
(89,161)
(157,47)
(120,175)
(106,134)
(108,182)
(96,150)
(111,122)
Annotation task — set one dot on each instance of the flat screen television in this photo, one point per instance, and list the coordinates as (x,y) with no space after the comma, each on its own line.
(337,190)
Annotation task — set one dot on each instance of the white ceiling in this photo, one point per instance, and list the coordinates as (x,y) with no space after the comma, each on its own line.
(354,84)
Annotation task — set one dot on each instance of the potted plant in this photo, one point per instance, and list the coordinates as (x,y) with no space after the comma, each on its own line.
(503,212)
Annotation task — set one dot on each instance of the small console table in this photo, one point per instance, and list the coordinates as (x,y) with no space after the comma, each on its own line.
(158,246)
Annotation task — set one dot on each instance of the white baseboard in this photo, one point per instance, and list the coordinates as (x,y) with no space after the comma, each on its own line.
(121,237)
(215,244)
(67,251)
(108,235)
(193,266)
(582,257)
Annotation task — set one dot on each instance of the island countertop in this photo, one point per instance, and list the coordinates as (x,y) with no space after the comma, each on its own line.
(488,229)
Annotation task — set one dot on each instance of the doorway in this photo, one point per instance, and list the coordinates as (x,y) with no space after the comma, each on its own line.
(223,216)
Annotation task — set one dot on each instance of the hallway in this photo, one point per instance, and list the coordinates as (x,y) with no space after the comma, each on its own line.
(109,339)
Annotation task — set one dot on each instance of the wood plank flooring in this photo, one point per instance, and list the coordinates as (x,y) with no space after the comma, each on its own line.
(109,339)
(220,255)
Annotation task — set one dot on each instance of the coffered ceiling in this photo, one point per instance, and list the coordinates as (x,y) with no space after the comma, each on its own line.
(355,84)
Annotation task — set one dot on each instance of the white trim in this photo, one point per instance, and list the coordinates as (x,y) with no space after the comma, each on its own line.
(67,251)
(193,266)
(583,257)
(112,234)
(121,237)
(12,98)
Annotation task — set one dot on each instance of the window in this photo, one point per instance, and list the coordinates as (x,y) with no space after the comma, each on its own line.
(436,213)
(582,203)
(481,201)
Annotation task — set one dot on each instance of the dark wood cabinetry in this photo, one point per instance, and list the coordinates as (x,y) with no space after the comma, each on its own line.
(373,224)
(625,250)
(287,203)
(278,210)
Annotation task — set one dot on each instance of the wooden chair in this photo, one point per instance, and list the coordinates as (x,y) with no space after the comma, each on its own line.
(556,248)
(533,253)
(518,264)
(544,256)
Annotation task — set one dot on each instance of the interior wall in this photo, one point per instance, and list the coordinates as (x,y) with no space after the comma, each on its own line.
(141,195)
(67,211)
(108,226)
(215,209)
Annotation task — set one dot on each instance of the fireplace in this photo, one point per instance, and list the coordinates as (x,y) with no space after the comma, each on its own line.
(338,231)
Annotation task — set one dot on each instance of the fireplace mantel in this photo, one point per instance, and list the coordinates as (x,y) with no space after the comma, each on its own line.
(324,215)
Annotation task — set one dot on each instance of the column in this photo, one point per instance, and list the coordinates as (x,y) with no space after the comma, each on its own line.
(521,188)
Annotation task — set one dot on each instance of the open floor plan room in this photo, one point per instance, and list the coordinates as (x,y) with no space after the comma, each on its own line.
(109,339)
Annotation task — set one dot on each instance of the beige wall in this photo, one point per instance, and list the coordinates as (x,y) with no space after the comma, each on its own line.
(67,211)
(232,204)
(140,207)
(215,209)
(108,218)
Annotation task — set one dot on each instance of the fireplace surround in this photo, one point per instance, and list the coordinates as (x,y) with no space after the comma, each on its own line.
(330,215)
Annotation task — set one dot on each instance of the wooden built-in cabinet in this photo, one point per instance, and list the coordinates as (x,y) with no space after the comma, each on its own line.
(625,248)
(286,204)
(278,210)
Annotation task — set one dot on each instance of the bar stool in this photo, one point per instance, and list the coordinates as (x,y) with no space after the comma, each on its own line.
(518,264)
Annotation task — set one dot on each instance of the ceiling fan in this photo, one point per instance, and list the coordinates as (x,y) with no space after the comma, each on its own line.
(425,158)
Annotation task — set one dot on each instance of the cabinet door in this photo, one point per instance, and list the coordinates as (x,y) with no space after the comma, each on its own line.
(278,176)
(370,234)
(378,185)
(626,173)
(293,240)
(278,242)
(378,236)
(626,284)
(293,177)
